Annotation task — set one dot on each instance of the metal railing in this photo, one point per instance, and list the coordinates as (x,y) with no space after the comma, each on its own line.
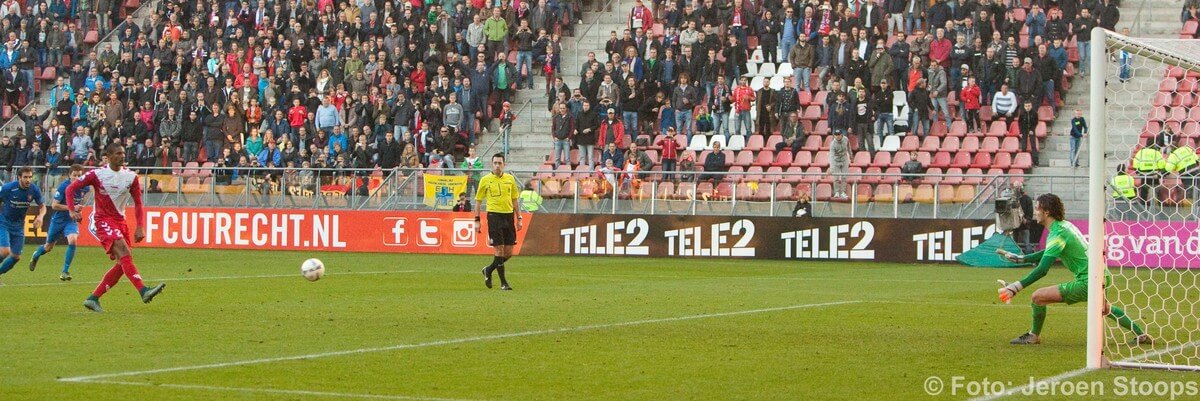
(504,139)
(599,17)
(686,193)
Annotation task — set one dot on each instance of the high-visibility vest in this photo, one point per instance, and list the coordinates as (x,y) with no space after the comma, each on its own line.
(1148,160)
(1183,158)
(1122,186)
(530,201)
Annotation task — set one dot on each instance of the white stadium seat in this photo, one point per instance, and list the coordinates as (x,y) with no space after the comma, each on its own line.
(699,142)
(891,143)
(715,140)
(766,70)
(736,142)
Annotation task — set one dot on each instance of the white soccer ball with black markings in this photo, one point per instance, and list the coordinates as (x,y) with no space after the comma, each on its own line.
(312,269)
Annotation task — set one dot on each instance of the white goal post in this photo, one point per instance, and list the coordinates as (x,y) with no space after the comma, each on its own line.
(1139,88)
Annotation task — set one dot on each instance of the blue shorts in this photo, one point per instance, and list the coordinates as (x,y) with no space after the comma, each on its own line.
(61,229)
(12,236)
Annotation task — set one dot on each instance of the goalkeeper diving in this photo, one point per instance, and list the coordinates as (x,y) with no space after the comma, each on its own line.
(1065,243)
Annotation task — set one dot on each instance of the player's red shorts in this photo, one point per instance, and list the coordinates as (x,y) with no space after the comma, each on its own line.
(109,232)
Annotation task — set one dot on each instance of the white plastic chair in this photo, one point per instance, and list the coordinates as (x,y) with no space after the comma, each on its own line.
(767,70)
(751,70)
(699,143)
(736,142)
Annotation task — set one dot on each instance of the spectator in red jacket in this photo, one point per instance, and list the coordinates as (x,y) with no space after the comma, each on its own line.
(612,131)
(670,152)
(297,115)
(970,101)
(743,97)
(939,49)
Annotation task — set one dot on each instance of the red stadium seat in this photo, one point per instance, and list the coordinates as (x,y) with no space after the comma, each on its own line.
(981,161)
(1022,161)
(755,143)
(969,144)
(803,159)
(900,159)
(1002,160)
(977,172)
(940,160)
(989,145)
(793,175)
(910,143)
(950,144)
(821,160)
(931,144)
(765,157)
(883,193)
(953,176)
(861,159)
(1011,145)
(961,160)
(812,144)
(882,160)
(872,175)
(773,174)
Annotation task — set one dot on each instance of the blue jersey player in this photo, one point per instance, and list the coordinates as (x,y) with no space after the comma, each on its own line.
(62,225)
(17,197)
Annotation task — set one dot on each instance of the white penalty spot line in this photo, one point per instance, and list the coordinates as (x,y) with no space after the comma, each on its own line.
(94,378)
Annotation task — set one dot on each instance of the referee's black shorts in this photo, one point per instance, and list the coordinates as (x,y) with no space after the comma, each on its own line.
(502,229)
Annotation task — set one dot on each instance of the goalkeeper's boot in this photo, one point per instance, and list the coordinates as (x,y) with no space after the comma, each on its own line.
(1026,339)
(505,287)
(1143,339)
(93,305)
(148,293)
(65,277)
(487,277)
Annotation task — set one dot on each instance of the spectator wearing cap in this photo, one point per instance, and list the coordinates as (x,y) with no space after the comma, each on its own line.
(881,64)
(1029,83)
(612,130)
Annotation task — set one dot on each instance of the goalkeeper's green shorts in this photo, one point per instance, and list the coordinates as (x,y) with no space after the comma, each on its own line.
(1073,291)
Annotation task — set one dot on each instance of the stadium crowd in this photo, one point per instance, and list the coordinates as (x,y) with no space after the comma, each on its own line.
(341,84)
(689,68)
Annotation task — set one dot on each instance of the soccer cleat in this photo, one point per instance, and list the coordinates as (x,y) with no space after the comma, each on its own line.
(1026,339)
(505,287)
(151,292)
(1143,339)
(65,277)
(33,264)
(487,278)
(93,305)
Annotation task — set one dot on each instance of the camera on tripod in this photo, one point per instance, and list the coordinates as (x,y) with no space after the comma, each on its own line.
(1008,212)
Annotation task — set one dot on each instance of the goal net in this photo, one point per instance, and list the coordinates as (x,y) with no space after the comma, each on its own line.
(1144,115)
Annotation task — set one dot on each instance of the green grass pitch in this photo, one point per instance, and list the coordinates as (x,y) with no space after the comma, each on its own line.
(245,326)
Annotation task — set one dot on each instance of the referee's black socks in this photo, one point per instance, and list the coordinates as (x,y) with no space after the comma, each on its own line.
(500,269)
(497,261)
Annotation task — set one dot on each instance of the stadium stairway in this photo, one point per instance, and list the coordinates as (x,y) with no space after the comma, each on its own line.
(1145,18)
(530,142)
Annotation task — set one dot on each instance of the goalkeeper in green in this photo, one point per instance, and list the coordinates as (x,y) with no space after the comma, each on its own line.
(1065,242)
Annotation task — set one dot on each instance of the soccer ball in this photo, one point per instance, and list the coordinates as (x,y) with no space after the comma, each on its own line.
(312,269)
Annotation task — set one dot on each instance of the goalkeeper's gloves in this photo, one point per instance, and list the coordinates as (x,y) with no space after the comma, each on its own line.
(1008,291)
(1009,256)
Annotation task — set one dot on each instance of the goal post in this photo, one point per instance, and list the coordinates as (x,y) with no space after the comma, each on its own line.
(1144,94)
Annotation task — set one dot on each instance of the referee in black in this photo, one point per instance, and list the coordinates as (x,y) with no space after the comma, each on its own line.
(498,193)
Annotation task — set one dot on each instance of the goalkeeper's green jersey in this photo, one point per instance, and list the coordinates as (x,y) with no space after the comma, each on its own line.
(1065,243)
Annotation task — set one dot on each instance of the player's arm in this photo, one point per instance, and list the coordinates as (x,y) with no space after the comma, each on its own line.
(516,200)
(135,191)
(480,195)
(59,207)
(88,180)
(1045,259)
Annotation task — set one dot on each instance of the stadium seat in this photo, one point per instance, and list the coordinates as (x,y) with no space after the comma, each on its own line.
(549,188)
(904,193)
(771,141)
(793,175)
(751,70)
(753,173)
(1010,145)
(813,174)
(923,194)
(861,159)
(931,144)
(910,143)
(969,144)
(48,74)
(823,192)
(764,158)
(940,160)
(812,144)
(191,169)
(872,175)
(891,143)
(964,194)
(977,178)
(863,194)
(766,70)
(900,159)
(685,190)
(803,158)
(998,129)
(775,82)
(665,190)
(820,160)
(757,83)
(950,144)
(882,160)
(1022,161)
(883,193)
(953,176)
(821,128)
(785,69)
(805,96)
(812,112)
(961,160)
(1003,160)
(773,174)
(743,158)
(958,128)
(981,160)
(784,192)
(699,142)
(582,172)
(736,142)
(989,145)
(945,194)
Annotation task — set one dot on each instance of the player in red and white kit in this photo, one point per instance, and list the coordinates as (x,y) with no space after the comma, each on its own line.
(114,187)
